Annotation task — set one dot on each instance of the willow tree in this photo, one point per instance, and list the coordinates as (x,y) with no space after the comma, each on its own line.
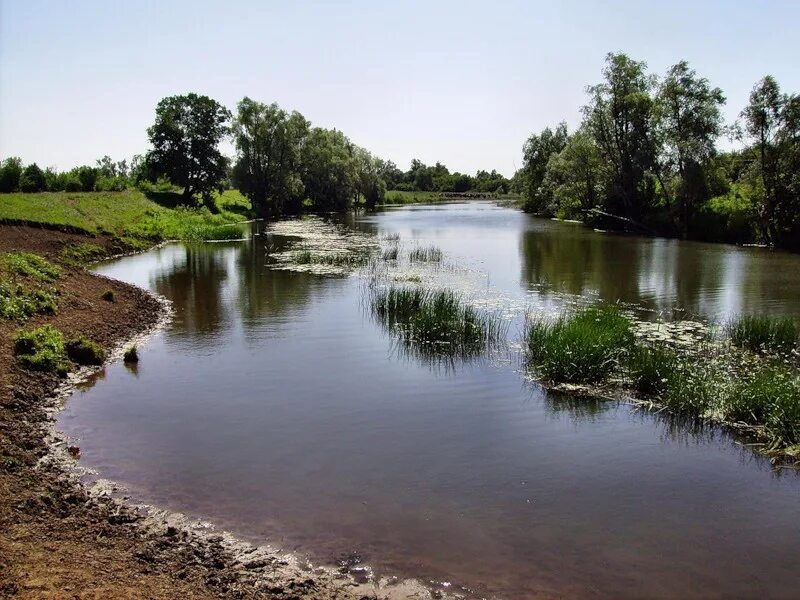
(268,145)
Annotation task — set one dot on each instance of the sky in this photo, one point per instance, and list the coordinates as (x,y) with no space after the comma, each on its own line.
(460,82)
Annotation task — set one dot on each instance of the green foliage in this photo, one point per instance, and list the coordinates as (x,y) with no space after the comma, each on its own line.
(131,355)
(691,389)
(783,421)
(650,367)
(762,333)
(537,153)
(41,349)
(185,139)
(32,179)
(584,347)
(336,259)
(20,302)
(29,265)
(10,174)
(83,351)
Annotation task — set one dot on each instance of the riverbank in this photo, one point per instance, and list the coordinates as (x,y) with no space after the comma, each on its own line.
(59,537)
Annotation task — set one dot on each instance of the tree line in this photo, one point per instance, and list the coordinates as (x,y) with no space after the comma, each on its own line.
(283,164)
(645,157)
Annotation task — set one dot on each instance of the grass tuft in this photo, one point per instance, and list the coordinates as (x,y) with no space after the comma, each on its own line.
(435,322)
(131,355)
(762,333)
(390,253)
(650,367)
(425,254)
(339,259)
(581,348)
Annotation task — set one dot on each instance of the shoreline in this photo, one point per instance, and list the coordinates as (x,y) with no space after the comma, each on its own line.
(131,549)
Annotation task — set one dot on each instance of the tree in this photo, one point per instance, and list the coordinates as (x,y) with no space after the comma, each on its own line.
(268,145)
(32,179)
(185,138)
(329,170)
(689,123)
(10,174)
(574,178)
(618,117)
(536,154)
(369,182)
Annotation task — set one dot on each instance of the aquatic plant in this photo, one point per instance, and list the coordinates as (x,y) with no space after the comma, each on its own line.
(650,366)
(763,333)
(425,254)
(41,349)
(83,351)
(691,389)
(584,347)
(435,322)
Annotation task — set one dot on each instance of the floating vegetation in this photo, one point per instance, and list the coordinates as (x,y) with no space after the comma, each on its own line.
(425,254)
(761,333)
(584,347)
(338,259)
(434,323)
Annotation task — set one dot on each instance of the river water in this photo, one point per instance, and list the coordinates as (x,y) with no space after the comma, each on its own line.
(274,407)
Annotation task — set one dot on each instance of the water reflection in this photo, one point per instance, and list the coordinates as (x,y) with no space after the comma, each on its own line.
(669,277)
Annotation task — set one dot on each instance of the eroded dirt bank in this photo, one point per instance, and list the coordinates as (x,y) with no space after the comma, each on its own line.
(59,539)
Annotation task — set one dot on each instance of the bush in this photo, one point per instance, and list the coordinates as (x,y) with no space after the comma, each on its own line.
(10,174)
(581,348)
(41,349)
(83,351)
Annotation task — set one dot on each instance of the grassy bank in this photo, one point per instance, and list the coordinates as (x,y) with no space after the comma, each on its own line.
(130,215)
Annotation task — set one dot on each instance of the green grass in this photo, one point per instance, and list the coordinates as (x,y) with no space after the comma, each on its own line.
(435,322)
(761,333)
(128,215)
(425,254)
(650,367)
(691,389)
(41,349)
(82,253)
(26,286)
(84,351)
(584,347)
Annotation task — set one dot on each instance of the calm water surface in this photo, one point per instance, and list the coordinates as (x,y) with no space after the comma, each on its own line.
(274,407)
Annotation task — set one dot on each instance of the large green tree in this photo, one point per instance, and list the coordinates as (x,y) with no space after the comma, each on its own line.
(185,137)
(689,123)
(269,141)
(329,170)
(619,118)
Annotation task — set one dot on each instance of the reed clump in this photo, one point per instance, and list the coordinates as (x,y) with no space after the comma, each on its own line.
(425,254)
(584,347)
(435,321)
(337,259)
(764,334)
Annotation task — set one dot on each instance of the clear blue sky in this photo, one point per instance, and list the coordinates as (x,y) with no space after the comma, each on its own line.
(457,81)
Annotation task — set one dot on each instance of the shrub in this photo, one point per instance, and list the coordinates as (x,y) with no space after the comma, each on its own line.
(762,333)
(581,348)
(83,351)
(41,349)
